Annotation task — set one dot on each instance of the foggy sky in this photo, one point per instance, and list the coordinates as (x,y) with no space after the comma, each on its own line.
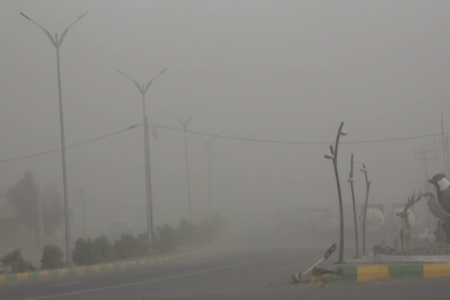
(279,70)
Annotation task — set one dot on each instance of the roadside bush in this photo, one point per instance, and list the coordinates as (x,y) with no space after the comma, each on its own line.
(85,252)
(103,249)
(185,232)
(205,231)
(80,252)
(217,223)
(52,258)
(143,236)
(15,261)
(168,240)
(129,247)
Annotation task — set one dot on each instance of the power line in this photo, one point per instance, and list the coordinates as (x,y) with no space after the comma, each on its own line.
(424,158)
(446,154)
(70,146)
(229,137)
(300,142)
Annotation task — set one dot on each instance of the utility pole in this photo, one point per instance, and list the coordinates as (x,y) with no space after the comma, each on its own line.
(423,156)
(185,124)
(149,181)
(41,219)
(83,204)
(57,42)
(148,188)
(443,145)
(209,156)
(446,154)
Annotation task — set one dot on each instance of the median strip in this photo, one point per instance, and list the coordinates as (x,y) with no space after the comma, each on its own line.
(84,270)
(365,273)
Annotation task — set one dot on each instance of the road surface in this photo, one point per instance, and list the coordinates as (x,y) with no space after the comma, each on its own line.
(248,266)
(240,274)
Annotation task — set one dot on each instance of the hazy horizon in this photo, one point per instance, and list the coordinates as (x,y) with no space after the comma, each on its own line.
(275,70)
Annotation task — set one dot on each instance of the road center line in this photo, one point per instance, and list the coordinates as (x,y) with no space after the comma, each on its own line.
(66,283)
(143,282)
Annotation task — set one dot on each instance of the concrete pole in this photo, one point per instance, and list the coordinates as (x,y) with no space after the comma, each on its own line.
(41,219)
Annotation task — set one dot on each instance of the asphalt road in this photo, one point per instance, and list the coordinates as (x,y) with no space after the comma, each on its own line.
(236,273)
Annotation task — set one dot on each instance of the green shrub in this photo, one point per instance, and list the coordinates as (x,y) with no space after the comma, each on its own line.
(205,231)
(15,261)
(129,247)
(85,252)
(217,223)
(168,240)
(80,252)
(103,249)
(143,236)
(52,257)
(88,252)
(185,232)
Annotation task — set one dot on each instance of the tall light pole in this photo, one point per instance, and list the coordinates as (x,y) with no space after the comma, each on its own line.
(446,154)
(57,42)
(333,155)
(350,180)
(365,207)
(423,156)
(209,156)
(185,124)
(83,205)
(444,146)
(148,187)
(40,219)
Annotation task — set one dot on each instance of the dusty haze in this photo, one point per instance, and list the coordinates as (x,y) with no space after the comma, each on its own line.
(275,70)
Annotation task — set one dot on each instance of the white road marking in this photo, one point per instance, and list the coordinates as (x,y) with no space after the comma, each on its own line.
(66,283)
(143,282)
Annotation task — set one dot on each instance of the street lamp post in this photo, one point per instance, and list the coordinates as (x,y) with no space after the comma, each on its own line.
(83,206)
(365,207)
(350,180)
(333,155)
(209,156)
(40,218)
(57,42)
(185,124)
(148,188)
